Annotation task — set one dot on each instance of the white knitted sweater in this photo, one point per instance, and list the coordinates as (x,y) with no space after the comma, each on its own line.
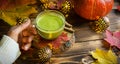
(9,50)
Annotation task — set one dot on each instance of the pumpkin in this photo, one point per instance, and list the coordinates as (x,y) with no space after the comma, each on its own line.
(92,9)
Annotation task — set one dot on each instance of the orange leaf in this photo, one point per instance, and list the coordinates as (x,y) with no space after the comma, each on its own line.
(10,4)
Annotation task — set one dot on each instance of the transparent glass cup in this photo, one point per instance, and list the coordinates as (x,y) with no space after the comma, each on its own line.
(50,24)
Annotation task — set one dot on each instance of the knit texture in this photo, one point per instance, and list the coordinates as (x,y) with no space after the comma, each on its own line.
(9,50)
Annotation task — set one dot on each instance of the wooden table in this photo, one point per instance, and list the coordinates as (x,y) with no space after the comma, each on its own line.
(86,39)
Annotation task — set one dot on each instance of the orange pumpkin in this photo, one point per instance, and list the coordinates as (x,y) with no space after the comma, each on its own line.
(92,9)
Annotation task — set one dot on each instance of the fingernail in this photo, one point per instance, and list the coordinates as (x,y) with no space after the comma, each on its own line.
(27,46)
(26,20)
(24,48)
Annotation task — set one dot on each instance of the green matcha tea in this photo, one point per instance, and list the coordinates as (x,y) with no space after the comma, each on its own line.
(50,24)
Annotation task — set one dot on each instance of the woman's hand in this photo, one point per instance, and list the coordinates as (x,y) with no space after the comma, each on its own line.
(23,34)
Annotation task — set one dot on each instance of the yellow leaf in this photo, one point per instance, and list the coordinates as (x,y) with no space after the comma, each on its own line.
(111,56)
(10,20)
(104,57)
(10,16)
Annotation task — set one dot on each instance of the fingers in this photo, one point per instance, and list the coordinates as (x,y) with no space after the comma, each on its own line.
(26,42)
(29,31)
(27,35)
(15,31)
(23,34)
(27,39)
(26,47)
(32,29)
(23,26)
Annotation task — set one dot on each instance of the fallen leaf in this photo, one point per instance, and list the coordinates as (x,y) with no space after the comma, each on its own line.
(11,10)
(11,4)
(104,57)
(113,38)
(11,16)
(58,42)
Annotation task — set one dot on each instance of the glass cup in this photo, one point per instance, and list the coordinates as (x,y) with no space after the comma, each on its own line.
(50,24)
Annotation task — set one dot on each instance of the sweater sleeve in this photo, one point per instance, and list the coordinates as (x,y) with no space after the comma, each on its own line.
(9,50)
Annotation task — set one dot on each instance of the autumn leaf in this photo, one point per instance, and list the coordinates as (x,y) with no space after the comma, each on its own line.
(10,16)
(113,38)
(58,42)
(9,20)
(104,57)
(11,10)
(11,4)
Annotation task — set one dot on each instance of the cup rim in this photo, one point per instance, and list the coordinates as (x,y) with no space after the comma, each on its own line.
(50,11)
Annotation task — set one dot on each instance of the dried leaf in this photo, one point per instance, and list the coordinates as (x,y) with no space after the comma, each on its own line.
(113,38)
(11,16)
(11,4)
(104,57)
(116,34)
(10,20)
(58,42)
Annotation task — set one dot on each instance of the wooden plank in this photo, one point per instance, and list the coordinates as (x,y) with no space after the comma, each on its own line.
(84,33)
(114,21)
(77,52)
